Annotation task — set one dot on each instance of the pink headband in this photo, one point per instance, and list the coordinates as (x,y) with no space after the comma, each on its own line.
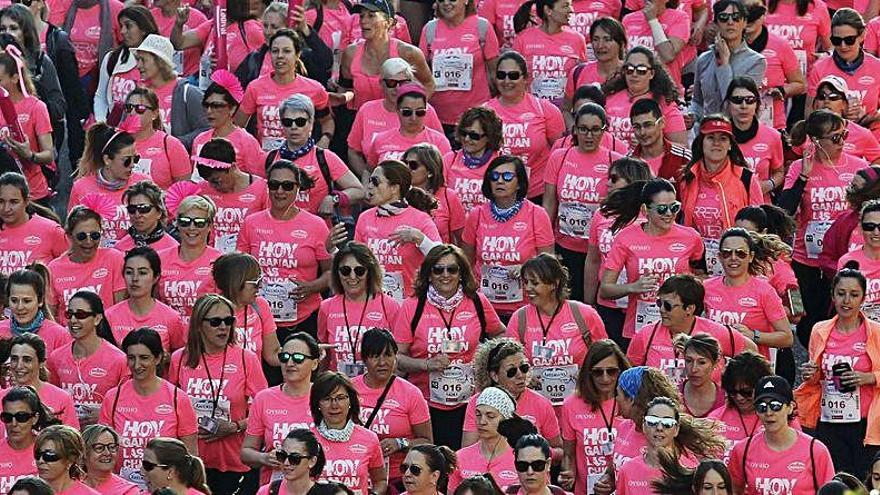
(229,82)
(211,163)
(15,53)
(114,136)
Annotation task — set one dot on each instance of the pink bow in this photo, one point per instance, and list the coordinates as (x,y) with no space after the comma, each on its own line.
(15,53)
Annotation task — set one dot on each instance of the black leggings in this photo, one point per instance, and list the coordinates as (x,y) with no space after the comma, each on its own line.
(816,293)
(447,426)
(613,320)
(845,442)
(574,260)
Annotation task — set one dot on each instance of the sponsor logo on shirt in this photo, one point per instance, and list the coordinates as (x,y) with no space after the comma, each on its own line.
(761,147)
(100,273)
(163,409)
(677,247)
(97,372)
(748,302)
(866,80)
(32,240)
(774,485)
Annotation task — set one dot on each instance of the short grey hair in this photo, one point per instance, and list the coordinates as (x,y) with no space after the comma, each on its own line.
(298,103)
(396,65)
(279,8)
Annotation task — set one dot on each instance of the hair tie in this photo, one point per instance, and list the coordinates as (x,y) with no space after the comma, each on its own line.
(15,53)
(630,381)
(211,163)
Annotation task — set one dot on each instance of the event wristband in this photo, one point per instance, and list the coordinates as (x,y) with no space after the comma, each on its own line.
(657,32)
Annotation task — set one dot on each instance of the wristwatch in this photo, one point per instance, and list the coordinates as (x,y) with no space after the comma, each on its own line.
(756,336)
(402,443)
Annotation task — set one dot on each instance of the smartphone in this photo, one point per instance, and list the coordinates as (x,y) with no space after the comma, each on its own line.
(795,302)
(836,372)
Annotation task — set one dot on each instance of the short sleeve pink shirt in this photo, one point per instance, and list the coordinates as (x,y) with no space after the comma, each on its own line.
(163,157)
(87,380)
(593,431)
(166,321)
(550,58)
(182,282)
(233,208)
(342,323)
(101,275)
(264,96)
(38,239)
(350,462)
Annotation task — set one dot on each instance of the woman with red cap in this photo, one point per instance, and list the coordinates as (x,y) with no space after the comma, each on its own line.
(716,184)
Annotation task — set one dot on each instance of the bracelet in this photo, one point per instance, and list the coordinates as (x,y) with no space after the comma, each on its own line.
(781,91)
(772,183)
(803,177)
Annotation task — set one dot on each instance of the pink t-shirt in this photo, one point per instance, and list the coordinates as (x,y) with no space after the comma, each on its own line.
(754,304)
(676,24)
(458,334)
(253,323)
(601,236)
(121,84)
(79,488)
(764,154)
(392,144)
(466,182)
(241,39)
(630,442)
(112,229)
(138,419)
(781,60)
(502,248)
(451,45)
(849,348)
(733,424)
(165,94)
(38,239)
(233,208)
(101,275)
(248,154)
(449,215)
(872,36)
(635,476)
(288,251)
(530,405)
(373,118)
(310,200)
(861,85)
(264,96)
(550,57)
(186,63)
(182,282)
(472,463)
(33,117)
(555,346)
(870,268)
(15,464)
(87,380)
(720,398)
(163,157)
(127,243)
(861,143)
(220,386)
(588,74)
(789,472)
(53,334)
(529,128)
(273,414)
(593,431)
(586,12)
(117,486)
(823,200)
(399,262)
(350,462)
(500,14)
(802,32)
(167,322)
(342,323)
(402,408)
(581,181)
(641,254)
(617,108)
(86,30)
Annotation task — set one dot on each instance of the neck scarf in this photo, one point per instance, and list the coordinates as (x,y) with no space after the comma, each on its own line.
(109,184)
(442,303)
(147,239)
(285,153)
(333,435)
(33,327)
(391,209)
(849,67)
(760,42)
(105,41)
(503,215)
(473,162)
(746,135)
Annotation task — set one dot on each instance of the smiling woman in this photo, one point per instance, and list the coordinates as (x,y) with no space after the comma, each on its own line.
(58,451)
(101,452)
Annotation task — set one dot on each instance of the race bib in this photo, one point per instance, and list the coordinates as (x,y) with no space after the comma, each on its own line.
(575,218)
(814,237)
(647,313)
(713,263)
(840,407)
(392,285)
(623,302)
(143,166)
(279,299)
(453,71)
(350,370)
(872,310)
(177,58)
(133,475)
(452,386)
(271,143)
(501,284)
(557,382)
(548,88)
(204,407)
(225,243)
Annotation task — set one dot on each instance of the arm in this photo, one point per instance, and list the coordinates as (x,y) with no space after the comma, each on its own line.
(777,177)
(352,187)
(591,274)
(379,480)
(417,59)
(794,83)
(550,201)
(358,163)
(327,127)
(696,107)
(271,346)
(790,199)
(780,337)
(470,251)
(191,443)
(251,455)
(568,469)
(101,105)
(180,39)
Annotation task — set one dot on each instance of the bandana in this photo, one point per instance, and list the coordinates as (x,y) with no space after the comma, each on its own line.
(630,381)
(499,399)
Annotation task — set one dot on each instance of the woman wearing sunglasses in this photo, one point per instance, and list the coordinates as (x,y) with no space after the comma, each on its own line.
(168,464)
(715,185)
(533,124)
(29,309)
(737,418)
(221,378)
(163,157)
(107,170)
(643,76)
(289,244)
(145,204)
(831,94)
(22,221)
(642,251)
(94,349)
(839,391)
(276,410)
(297,477)
(760,143)
(867,258)
(186,269)
(23,417)
(667,430)
(146,406)
(479,131)
(778,453)
(99,461)
(426,164)
(699,393)
(502,363)
(500,236)
(27,358)
(590,418)
(264,95)
(426,469)
(58,451)
(607,41)
(532,456)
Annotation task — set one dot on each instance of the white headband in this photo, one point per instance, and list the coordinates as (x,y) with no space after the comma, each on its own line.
(499,399)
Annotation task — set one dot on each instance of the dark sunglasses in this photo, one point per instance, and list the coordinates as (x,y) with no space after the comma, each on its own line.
(672,208)
(408,112)
(728,16)
(507,176)
(131,160)
(85,235)
(412,468)
(47,456)
(413,165)
(374,181)
(287,185)
(513,75)
(149,466)
(214,105)
(830,96)
(755,12)
(187,221)
(727,253)
(666,305)
(631,69)
(839,137)
(19,417)
(393,83)
(523,368)
(773,405)
(217,321)
(840,40)
(299,121)
(870,226)
(599,372)
(742,392)
(537,466)
(138,109)
(439,269)
(24,2)
(79,314)
(359,271)
(298,357)
(295,458)
(739,100)
(473,136)
(142,209)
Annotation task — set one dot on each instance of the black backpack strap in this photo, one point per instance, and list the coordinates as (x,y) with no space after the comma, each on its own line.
(270,158)
(746,178)
(481,315)
(325,169)
(813,465)
(650,341)
(578,69)
(417,316)
(379,402)
(275,487)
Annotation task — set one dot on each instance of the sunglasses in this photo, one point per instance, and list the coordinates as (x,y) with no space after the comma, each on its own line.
(440,269)
(393,83)
(214,105)
(755,12)
(657,421)
(359,271)
(829,96)
(631,69)
(47,456)
(100,448)
(666,305)
(408,112)
(870,226)
(582,129)
(523,368)
(840,40)
(142,209)
(739,100)
(86,235)
(217,321)
(412,468)
(299,121)
(839,137)
(513,75)
(131,160)
(298,357)
(537,466)
(374,181)
(671,208)
(742,392)
(19,417)
(507,176)
(295,458)
(184,222)
(413,165)
(600,372)
(473,136)
(149,466)
(138,109)
(773,405)
(729,16)
(24,2)
(287,185)
(79,314)
(727,253)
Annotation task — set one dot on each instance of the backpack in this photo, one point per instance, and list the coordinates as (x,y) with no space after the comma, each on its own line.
(575,312)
